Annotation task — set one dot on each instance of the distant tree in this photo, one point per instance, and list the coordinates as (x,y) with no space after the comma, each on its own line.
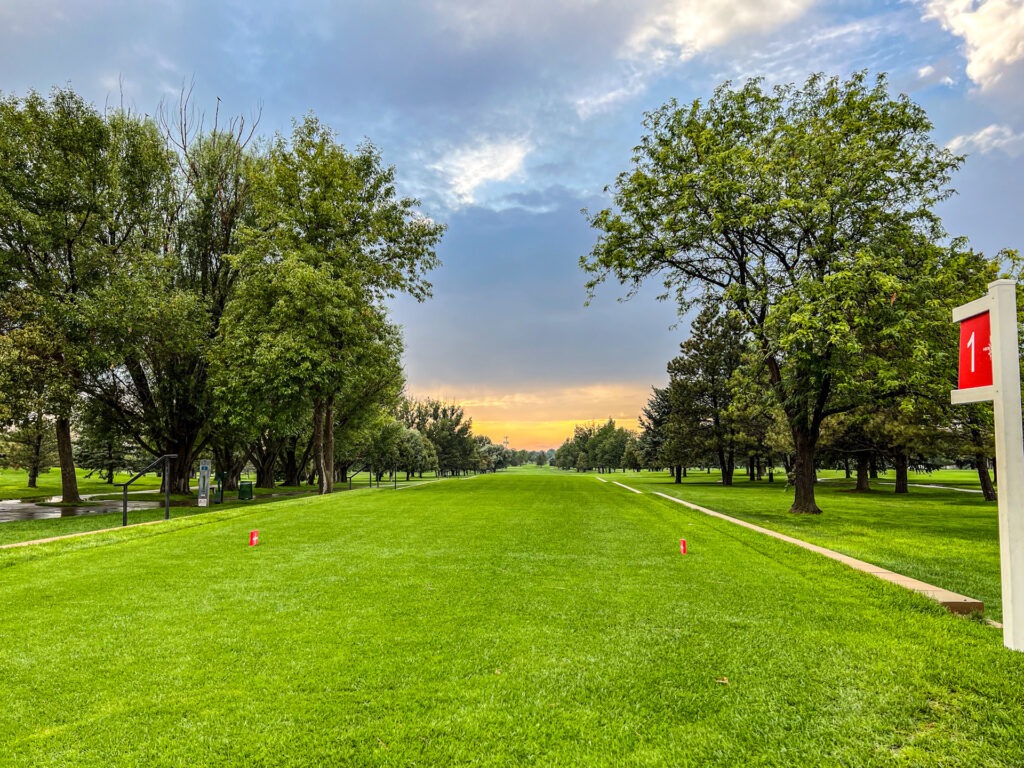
(329,241)
(30,445)
(699,385)
(658,444)
(416,453)
(103,445)
(446,426)
(583,463)
(631,455)
(566,455)
(541,458)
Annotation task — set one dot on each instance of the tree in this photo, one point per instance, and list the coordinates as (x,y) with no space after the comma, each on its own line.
(607,445)
(103,445)
(329,242)
(631,458)
(30,446)
(451,433)
(169,300)
(79,190)
(657,443)
(807,210)
(699,385)
(416,453)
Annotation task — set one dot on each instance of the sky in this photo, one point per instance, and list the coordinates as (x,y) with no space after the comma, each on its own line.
(507,118)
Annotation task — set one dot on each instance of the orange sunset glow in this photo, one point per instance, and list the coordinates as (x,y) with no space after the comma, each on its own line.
(543,418)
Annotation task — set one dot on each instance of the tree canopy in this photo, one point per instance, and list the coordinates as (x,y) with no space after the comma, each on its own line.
(809,211)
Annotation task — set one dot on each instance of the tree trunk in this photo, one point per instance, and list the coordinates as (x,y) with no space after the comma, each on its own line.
(68,479)
(803,473)
(111,467)
(291,461)
(788,463)
(677,473)
(181,467)
(266,461)
(230,465)
(900,461)
(727,462)
(846,467)
(37,450)
(265,452)
(981,464)
(329,441)
(863,472)
(320,466)
(751,469)
(873,468)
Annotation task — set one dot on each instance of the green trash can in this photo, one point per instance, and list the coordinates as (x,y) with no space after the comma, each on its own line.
(217,494)
(245,490)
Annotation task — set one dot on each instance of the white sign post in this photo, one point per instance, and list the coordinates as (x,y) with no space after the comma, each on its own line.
(1002,387)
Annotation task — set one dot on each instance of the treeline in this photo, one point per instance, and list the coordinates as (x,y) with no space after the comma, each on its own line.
(605,448)
(718,411)
(176,287)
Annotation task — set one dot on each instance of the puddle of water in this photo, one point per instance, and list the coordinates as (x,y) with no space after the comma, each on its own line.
(11,511)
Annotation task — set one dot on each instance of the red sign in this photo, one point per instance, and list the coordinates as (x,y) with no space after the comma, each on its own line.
(975,352)
(682,546)
(254,538)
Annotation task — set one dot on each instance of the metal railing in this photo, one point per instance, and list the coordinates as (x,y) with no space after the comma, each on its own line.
(166,459)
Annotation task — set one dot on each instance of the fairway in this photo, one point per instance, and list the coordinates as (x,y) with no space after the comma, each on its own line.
(521,618)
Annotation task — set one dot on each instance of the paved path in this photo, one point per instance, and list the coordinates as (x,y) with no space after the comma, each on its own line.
(911,485)
(951,601)
(11,510)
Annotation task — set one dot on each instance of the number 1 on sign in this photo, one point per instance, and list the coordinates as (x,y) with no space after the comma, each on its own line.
(970,345)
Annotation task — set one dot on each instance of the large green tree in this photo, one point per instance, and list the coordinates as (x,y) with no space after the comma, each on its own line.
(330,240)
(79,193)
(170,300)
(806,209)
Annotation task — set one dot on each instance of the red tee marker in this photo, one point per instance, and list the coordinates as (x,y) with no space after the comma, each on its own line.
(254,538)
(682,546)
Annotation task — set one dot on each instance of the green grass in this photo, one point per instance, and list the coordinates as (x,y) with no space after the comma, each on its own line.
(943,537)
(14,484)
(181,505)
(500,620)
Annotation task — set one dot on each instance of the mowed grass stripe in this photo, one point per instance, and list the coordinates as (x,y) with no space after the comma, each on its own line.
(515,619)
(941,537)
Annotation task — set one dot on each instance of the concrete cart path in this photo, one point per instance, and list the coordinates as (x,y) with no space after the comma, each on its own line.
(951,601)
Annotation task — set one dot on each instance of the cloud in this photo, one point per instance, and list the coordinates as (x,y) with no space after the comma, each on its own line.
(468,168)
(992,30)
(29,17)
(607,99)
(990,139)
(930,75)
(679,29)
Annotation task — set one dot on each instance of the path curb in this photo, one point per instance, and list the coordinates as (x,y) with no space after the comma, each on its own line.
(951,601)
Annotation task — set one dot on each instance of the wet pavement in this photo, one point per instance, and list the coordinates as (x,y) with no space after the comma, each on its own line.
(11,511)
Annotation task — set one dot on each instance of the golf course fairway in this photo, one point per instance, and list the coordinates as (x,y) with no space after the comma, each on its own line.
(522,618)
